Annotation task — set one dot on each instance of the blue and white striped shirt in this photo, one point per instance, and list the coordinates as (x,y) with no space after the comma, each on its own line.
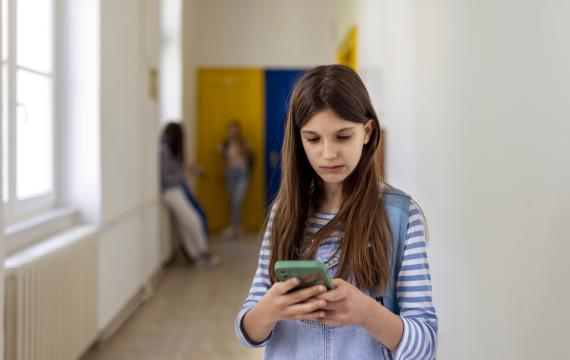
(414,291)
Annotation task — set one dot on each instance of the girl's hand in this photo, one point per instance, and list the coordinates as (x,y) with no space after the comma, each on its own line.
(297,305)
(346,304)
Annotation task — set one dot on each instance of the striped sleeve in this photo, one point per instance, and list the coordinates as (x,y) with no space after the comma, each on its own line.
(414,292)
(259,286)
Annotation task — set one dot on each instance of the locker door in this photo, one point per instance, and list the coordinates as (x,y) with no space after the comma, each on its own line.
(224,95)
(278,87)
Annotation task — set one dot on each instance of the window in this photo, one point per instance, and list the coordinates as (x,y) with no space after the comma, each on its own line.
(28,107)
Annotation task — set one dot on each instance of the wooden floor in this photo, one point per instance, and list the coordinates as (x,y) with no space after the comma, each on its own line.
(192,313)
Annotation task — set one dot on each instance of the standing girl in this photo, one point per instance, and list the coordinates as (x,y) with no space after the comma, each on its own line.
(334,207)
(237,162)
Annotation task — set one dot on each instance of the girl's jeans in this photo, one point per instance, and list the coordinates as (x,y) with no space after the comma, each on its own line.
(236,184)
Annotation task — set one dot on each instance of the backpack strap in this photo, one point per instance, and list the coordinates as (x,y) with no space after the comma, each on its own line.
(397,207)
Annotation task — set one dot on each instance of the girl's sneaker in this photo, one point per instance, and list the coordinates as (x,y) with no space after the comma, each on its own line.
(209,260)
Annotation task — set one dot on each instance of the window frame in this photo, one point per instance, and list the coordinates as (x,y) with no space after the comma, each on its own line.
(18,210)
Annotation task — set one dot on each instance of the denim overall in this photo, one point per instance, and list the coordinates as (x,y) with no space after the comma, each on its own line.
(309,339)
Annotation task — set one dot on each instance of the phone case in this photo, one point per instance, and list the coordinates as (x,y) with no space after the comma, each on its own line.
(310,272)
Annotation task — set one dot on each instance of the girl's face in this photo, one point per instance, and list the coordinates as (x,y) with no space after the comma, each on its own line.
(234,130)
(334,145)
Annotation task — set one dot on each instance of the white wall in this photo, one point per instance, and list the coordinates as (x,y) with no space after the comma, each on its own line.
(190,50)
(1,269)
(121,271)
(153,51)
(1,220)
(253,33)
(482,87)
(110,130)
(79,107)
(493,84)
(130,243)
(171,61)
(121,92)
(264,33)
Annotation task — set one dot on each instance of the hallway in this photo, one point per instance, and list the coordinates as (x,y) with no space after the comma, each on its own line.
(192,313)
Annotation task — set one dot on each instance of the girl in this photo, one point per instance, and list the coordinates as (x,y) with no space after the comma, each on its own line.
(333,206)
(237,162)
(190,219)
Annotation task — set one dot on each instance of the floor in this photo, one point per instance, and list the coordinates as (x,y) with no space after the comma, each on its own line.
(192,313)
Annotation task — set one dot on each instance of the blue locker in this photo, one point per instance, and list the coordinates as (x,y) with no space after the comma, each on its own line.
(278,86)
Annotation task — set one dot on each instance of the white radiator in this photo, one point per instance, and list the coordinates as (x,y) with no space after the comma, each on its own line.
(51,297)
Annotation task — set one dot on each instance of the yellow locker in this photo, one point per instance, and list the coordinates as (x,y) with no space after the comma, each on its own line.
(224,95)
(347,51)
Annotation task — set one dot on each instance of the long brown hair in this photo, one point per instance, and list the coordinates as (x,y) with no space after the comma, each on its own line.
(173,137)
(366,243)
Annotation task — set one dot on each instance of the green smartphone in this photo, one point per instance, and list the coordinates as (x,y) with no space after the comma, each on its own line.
(310,272)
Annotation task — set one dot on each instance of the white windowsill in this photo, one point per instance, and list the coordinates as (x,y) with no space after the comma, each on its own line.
(31,231)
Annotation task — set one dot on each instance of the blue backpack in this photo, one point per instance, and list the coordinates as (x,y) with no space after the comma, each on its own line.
(397,205)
